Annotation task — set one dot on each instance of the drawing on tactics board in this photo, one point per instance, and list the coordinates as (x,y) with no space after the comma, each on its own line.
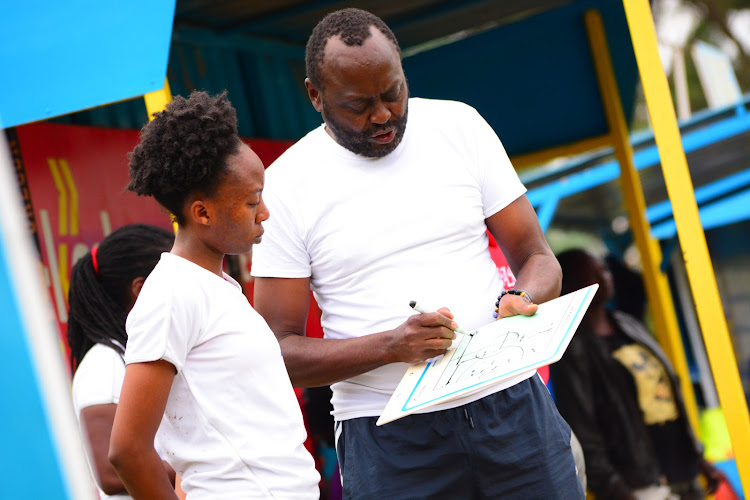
(479,361)
(496,352)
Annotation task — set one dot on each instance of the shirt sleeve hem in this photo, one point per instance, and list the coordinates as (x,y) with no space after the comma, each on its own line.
(97,402)
(150,359)
(493,209)
(278,273)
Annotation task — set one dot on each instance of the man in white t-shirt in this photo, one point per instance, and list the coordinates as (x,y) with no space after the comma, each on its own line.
(371,214)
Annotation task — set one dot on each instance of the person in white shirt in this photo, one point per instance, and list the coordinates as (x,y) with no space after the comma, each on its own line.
(372,211)
(200,361)
(104,284)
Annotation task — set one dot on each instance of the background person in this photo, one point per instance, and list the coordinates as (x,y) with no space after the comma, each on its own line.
(371,212)
(617,390)
(104,284)
(200,361)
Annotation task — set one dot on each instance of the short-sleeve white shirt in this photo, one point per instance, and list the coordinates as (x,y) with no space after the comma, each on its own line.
(232,427)
(98,381)
(373,234)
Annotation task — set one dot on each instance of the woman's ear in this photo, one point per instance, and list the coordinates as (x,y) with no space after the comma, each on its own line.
(135,290)
(199,212)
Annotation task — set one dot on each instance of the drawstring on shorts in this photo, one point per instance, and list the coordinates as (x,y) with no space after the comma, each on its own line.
(468,417)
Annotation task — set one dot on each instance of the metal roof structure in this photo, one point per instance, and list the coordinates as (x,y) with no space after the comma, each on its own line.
(291,21)
(584,194)
(526,66)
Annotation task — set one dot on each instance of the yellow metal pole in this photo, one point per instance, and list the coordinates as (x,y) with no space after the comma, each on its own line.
(658,292)
(156,101)
(690,232)
(538,157)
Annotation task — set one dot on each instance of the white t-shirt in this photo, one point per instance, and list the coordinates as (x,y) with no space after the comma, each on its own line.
(374,234)
(98,381)
(232,427)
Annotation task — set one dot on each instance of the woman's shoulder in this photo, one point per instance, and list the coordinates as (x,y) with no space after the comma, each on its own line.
(99,355)
(98,377)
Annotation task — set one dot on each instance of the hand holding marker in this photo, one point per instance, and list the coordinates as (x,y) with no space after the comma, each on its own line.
(413,304)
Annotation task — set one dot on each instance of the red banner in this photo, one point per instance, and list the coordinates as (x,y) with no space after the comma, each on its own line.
(76,178)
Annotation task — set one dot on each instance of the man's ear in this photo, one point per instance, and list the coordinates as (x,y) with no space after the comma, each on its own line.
(199,212)
(314,94)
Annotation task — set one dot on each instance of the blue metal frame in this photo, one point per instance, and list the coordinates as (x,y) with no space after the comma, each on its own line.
(703,194)
(29,449)
(728,210)
(702,131)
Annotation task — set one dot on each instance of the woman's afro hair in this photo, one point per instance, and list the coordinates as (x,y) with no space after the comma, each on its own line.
(184,149)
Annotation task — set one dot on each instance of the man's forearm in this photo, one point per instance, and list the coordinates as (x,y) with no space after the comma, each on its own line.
(313,362)
(541,277)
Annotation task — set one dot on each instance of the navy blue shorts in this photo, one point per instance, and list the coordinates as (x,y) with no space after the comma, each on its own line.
(511,445)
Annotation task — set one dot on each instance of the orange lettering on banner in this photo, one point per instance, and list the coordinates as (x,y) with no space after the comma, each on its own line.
(67,217)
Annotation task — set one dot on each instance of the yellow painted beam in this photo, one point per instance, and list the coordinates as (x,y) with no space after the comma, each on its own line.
(690,232)
(156,101)
(658,292)
(574,148)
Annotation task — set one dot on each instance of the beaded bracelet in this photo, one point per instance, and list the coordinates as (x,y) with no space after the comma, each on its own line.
(511,291)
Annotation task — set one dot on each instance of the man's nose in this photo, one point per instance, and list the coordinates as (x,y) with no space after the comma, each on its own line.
(381,114)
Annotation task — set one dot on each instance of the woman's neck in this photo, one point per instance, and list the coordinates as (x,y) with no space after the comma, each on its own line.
(196,251)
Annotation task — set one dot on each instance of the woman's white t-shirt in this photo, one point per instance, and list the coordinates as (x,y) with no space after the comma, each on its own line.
(98,381)
(232,427)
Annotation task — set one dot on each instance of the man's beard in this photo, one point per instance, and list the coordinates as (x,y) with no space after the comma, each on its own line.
(361,142)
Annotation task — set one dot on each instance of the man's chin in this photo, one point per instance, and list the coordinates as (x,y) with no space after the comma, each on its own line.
(372,149)
(376,152)
(362,144)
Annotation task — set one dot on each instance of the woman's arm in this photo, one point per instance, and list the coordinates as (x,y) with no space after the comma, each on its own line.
(139,412)
(97,421)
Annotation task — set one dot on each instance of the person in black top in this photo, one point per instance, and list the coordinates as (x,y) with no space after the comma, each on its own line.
(620,395)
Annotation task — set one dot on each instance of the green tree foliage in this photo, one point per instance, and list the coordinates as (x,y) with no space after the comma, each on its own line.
(715,19)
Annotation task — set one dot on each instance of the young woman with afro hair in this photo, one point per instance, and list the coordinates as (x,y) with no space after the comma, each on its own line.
(204,372)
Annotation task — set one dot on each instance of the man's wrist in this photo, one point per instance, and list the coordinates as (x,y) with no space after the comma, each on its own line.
(511,291)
